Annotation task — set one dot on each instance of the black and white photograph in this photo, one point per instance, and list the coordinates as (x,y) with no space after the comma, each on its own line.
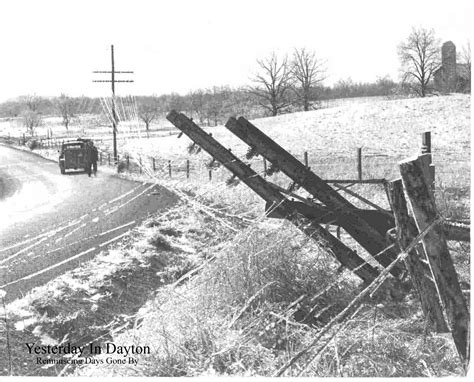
(252,188)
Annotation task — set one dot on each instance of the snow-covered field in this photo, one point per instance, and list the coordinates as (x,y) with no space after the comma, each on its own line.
(387,130)
(390,127)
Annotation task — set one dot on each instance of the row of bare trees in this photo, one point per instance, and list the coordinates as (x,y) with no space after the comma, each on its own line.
(31,109)
(279,84)
(296,82)
(282,82)
(65,106)
(208,106)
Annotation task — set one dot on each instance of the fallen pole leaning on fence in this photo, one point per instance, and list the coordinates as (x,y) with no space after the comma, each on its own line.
(260,186)
(361,230)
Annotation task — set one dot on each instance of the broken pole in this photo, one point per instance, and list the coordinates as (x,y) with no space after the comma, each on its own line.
(360,229)
(262,188)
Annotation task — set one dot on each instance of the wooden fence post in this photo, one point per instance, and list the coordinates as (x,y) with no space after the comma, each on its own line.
(425,213)
(169,168)
(154,165)
(416,262)
(210,174)
(306,159)
(187,168)
(359,162)
(426,150)
(128,162)
(426,142)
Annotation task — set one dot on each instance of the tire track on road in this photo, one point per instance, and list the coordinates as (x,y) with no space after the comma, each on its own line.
(52,233)
(89,215)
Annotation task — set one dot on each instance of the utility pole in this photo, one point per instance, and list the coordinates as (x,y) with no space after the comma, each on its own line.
(114,114)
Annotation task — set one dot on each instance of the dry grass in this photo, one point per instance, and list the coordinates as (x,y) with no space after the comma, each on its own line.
(243,314)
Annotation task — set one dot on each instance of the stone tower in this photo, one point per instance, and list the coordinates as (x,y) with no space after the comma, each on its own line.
(448,62)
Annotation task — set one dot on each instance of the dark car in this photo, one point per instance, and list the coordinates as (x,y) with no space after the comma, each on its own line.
(73,155)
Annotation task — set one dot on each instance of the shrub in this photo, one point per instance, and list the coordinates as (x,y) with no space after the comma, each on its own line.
(32,144)
(264,256)
(122,165)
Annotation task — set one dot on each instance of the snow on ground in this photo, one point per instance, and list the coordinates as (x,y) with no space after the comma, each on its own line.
(389,127)
(33,195)
(31,199)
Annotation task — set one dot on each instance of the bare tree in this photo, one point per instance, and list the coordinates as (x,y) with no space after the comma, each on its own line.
(66,106)
(10,109)
(197,102)
(31,102)
(419,56)
(174,101)
(31,120)
(308,72)
(272,84)
(30,115)
(240,103)
(148,111)
(345,88)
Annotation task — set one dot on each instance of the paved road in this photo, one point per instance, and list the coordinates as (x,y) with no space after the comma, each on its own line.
(50,223)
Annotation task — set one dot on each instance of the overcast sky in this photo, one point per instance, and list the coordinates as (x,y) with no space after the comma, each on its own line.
(50,47)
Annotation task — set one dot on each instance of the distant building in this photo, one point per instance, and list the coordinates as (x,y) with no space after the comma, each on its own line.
(451,76)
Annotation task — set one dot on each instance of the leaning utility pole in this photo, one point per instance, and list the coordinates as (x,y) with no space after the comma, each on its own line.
(114,114)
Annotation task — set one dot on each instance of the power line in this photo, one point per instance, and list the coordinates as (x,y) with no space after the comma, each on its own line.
(113,81)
